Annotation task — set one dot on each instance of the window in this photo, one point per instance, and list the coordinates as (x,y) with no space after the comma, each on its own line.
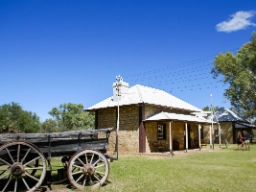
(161,131)
(216,132)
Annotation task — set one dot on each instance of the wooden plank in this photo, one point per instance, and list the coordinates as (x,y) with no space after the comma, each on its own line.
(67,147)
(71,146)
(70,134)
(62,143)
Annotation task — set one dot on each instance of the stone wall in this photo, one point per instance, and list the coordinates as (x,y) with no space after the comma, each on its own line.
(107,118)
(128,135)
(152,110)
(177,135)
(128,142)
(226,132)
(179,127)
(206,133)
(151,137)
(178,132)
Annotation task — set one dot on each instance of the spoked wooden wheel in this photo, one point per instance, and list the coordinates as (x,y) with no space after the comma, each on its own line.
(88,169)
(22,167)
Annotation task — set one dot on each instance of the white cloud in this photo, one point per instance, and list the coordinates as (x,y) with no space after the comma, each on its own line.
(239,20)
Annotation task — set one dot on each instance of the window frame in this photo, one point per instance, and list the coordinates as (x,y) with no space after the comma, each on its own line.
(161,131)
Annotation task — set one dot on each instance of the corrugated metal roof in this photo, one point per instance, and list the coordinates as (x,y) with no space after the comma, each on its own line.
(244,125)
(142,94)
(225,114)
(178,117)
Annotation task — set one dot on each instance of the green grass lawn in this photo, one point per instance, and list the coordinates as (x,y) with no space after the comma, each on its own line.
(214,170)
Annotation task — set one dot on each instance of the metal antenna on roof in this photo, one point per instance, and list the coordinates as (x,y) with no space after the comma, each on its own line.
(119,79)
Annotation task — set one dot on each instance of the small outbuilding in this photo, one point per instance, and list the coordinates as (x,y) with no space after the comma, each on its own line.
(229,124)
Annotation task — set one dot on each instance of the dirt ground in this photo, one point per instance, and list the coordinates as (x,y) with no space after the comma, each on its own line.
(56,188)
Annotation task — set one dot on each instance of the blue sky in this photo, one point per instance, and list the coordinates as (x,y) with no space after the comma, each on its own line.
(54,52)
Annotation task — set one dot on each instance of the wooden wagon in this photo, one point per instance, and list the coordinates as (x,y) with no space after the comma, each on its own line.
(25,159)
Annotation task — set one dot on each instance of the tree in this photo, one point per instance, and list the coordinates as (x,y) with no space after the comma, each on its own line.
(207,108)
(239,71)
(9,114)
(14,118)
(72,116)
(49,126)
(29,122)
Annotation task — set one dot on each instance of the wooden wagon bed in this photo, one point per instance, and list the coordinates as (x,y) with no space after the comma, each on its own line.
(59,143)
(25,159)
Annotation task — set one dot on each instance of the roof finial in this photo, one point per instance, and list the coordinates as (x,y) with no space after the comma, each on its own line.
(119,78)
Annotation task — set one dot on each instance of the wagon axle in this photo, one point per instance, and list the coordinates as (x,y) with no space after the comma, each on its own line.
(17,169)
(88,170)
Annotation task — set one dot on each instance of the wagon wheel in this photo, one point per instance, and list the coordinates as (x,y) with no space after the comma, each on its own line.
(22,167)
(88,169)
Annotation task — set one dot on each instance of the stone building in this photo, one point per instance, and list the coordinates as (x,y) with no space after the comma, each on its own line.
(150,120)
(228,125)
